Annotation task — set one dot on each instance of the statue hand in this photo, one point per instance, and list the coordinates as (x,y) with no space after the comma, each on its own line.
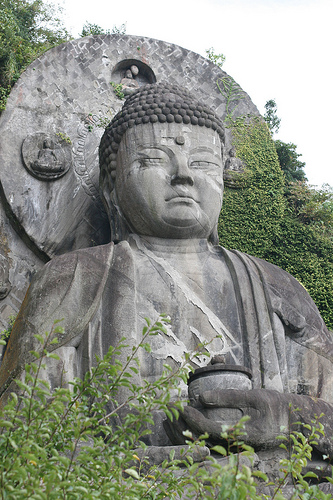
(269,411)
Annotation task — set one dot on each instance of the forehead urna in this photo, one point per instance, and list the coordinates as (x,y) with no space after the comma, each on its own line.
(169,180)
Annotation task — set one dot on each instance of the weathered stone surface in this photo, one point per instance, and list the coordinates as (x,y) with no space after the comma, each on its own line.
(17,265)
(218,377)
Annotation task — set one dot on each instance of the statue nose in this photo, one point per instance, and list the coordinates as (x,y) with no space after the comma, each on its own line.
(182,173)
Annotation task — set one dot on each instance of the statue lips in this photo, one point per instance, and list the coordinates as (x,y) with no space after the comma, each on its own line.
(182,196)
(187,200)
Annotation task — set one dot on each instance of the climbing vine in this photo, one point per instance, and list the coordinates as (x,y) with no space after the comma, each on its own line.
(232,93)
(256,218)
(252,215)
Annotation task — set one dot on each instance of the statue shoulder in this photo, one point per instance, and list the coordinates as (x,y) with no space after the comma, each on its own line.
(67,287)
(276,277)
(68,262)
(83,269)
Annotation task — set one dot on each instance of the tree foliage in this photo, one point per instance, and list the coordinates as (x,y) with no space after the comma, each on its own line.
(312,205)
(292,167)
(270,116)
(27,29)
(287,154)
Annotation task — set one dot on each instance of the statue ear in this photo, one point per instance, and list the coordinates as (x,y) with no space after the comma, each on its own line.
(214,237)
(118,225)
(106,186)
(224,156)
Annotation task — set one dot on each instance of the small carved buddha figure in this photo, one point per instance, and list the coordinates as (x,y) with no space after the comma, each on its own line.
(129,84)
(47,161)
(161,161)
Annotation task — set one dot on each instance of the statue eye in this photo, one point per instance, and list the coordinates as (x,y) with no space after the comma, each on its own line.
(148,162)
(203,164)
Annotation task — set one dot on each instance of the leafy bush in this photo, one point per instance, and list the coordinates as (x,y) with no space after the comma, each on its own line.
(312,206)
(69,443)
(4,335)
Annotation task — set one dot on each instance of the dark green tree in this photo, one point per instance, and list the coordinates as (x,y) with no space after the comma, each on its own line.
(287,154)
(289,162)
(270,116)
(27,29)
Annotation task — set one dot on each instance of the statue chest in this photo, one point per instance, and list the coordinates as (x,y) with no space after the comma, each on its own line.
(197,292)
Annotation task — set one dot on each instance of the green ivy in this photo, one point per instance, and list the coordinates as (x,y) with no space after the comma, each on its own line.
(308,256)
(256,218)
(251,216)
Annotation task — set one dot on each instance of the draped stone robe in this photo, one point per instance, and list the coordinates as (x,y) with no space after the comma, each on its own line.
(252,312)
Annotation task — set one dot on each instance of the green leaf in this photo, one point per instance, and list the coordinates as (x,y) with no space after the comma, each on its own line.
(310,474)
(147,320)
(219,449)
(52,355)
(40,338)
(13,443)
(168,414)
(132,473)
(35,354)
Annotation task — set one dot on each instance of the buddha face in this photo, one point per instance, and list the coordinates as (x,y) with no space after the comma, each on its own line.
(169,180)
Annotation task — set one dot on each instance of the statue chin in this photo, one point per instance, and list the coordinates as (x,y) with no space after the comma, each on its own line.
(182,229)
(185,219)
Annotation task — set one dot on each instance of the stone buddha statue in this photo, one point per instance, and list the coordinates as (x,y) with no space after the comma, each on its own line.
(161,162)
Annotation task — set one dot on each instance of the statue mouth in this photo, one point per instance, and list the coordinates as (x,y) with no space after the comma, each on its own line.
(182,197)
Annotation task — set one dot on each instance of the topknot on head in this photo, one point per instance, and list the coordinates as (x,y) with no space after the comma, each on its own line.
(155,103)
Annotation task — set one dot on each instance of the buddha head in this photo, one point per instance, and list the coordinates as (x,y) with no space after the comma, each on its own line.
(161,162)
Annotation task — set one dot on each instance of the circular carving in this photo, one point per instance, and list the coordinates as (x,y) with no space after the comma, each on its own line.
(46,158)
(180,140)
(234,170)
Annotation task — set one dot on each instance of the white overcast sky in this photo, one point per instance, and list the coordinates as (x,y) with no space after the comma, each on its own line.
(275,49)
